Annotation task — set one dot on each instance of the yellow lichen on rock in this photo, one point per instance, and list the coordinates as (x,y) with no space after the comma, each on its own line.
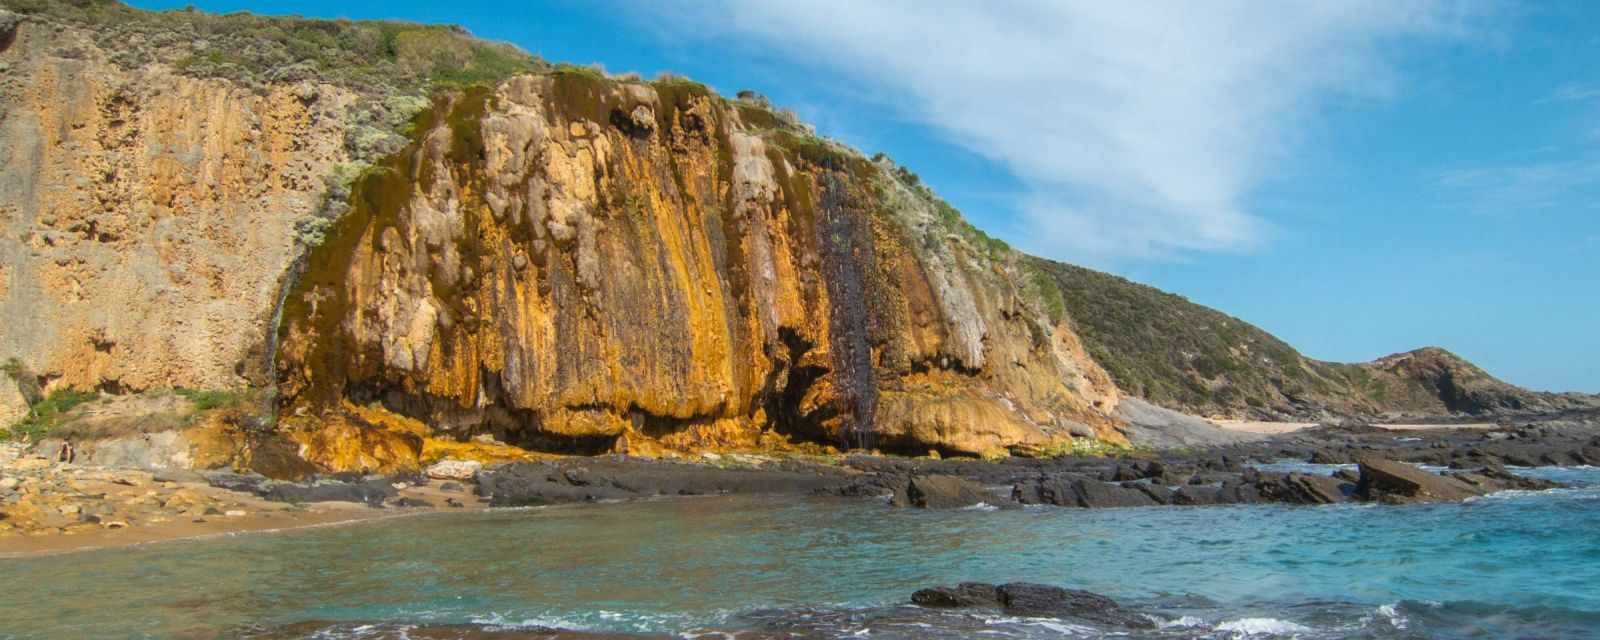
(371,439)
(341,443)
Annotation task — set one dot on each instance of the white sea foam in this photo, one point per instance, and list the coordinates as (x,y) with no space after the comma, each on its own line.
(501,621)
(1262,627)
(1389,613)
(1184,622)
(1045,623)
(1063,628)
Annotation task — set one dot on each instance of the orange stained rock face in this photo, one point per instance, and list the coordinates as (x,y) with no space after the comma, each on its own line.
(576,265)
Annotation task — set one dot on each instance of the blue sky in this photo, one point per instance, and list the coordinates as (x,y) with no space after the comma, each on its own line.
(1359,178)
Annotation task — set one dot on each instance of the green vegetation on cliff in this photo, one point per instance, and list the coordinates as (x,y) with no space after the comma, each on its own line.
(252,50)
(44,414)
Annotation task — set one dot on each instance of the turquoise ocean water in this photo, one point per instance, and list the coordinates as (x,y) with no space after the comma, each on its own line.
(1508,565)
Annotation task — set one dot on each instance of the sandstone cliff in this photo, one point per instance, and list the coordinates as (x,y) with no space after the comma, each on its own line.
(416,239)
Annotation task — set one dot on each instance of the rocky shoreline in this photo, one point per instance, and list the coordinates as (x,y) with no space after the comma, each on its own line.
(1384,473)
(51,506)
(48,506)
(1015,598)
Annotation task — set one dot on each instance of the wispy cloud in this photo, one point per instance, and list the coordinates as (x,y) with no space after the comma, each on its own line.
(1137,128)
(1525,188)
(1571,93)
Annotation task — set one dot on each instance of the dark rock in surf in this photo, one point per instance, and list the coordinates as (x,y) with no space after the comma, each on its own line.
(1033,600)
(944,492)
(1071,490)
(1400,483)
(596,479)
(966,594)
(1196,495)
(1027,599)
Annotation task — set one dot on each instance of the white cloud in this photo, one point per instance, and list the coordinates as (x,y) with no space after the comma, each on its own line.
(1137,128)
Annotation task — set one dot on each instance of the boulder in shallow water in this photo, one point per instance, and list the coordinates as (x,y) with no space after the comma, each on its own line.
(1296,488)
(1073,490)
(1159,493)
(1322,489)
(1393,482)
(944,492)
(1097,495)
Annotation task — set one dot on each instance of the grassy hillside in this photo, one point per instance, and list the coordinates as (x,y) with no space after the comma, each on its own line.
(1185,356)
(1170,351)
(252,50)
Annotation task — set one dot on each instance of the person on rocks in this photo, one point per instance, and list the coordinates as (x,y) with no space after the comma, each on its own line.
(66,453)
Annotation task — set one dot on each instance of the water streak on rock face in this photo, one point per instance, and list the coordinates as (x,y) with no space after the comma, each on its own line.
(579,264)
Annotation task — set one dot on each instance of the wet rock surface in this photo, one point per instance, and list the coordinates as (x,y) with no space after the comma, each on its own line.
(373,491)
(1033,600)
(1225,475)
(1556,439)
(44,497)
(945,492)
(966,594)
(521,484)
(1393,482)
(41,496)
